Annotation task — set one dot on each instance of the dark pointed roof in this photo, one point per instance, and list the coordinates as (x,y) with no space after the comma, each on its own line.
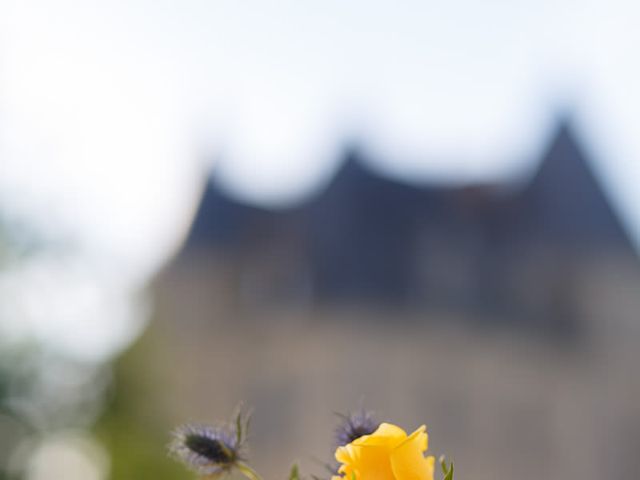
(361,233)
(355,181)
(219,220)
(566,202)
(563,204)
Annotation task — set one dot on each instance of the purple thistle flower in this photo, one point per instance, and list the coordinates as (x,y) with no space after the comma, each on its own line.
(355,425)
(206,450)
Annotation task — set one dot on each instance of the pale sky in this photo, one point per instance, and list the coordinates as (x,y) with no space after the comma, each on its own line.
(107,109)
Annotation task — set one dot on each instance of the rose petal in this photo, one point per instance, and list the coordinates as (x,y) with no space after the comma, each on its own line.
(372,463)
(386,434)
(408,461)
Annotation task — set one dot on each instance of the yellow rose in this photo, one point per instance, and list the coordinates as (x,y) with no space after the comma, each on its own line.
(386,454)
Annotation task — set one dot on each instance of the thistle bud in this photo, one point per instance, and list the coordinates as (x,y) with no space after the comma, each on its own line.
(355,425)
(206,450)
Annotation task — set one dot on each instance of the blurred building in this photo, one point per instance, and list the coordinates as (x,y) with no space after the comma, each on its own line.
(529,253)
(505,314)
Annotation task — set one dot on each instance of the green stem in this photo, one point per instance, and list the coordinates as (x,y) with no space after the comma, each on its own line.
(248,472)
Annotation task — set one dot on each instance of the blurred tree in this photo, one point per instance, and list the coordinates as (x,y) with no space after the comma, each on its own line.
(134,427)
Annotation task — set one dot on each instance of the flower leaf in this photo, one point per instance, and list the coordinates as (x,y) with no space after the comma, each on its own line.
(443,464)
(247,423)
(295,472)
(447,471)
(449,475)
(239,430)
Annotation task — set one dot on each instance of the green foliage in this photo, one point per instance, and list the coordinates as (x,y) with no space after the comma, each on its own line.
(134,427)
(446,470)
(242,423)
(239,427)
(295,472)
